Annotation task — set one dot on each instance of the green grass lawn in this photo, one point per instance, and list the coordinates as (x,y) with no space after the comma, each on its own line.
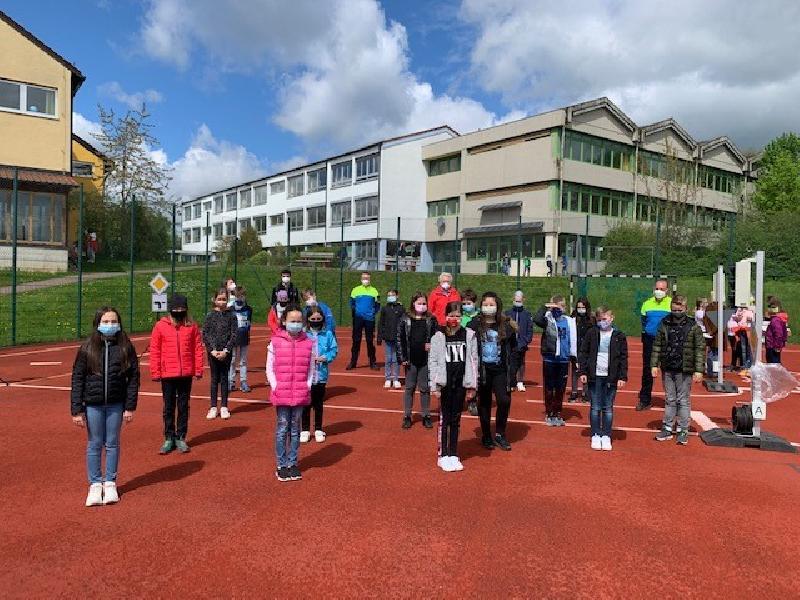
(51,314)
(26,276)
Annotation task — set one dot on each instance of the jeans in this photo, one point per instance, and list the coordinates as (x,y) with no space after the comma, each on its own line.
(219,378)
(450,409)
(555,384)
(646,391)
(773,356)
(317,399)
(288,426)
(494,380)
(747,356)
(366,328)
(102,426)
(601,414)
(240,354)
(391,368)
(677,386)
(176,393)
(417,377)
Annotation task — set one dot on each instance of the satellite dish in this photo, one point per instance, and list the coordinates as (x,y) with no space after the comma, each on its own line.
(440,225)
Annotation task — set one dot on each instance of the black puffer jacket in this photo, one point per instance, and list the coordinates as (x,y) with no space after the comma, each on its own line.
(509,353)
(111,385)
(404,335)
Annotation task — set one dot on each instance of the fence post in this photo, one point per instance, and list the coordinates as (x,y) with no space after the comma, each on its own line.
(397,257)
(458,257)
(80,265)
(658,244)
(585,249)
(208,235)
(314,282)
(288,241)
(130,281)
(174,247)
(14,236)
(519,251)
(236,257)
(342,256)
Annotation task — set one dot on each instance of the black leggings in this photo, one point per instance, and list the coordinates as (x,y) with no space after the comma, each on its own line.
(450,409)
(317,398)
(219,377)
(494,381)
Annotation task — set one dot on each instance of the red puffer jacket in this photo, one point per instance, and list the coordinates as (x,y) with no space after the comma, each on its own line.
(176,350)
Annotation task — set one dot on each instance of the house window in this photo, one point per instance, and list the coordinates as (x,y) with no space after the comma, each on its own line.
(217,204)
(366,209)
(342,173)
(366,250)
(598,151)
(443,208)
(317,180)
(197,210)
(217,231)
(27,99)
(296,186)
(230,228)
(440,166)
(260,224)
(277,187)
(10,95)
(276,220)
(230,201)
(82,169)
(187,236)
(295,220)
(196,234)
(244,199)
(244,224)
(40,216)
(316,217)
(261,195)
(340,213)
(207,206)
(367,167)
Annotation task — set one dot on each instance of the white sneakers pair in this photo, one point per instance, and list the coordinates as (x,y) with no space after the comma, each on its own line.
(102,493)
(389,383)
(601,442)
(223,413)
(319,436)
(520,386)
(449,464)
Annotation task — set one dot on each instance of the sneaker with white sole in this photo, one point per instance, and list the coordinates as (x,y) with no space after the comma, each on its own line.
(520,386)
(446,464)
(396,385)
(224,412)
(319,436)
(456,464)
(605,442)
(212,413)
(664,435)
(95,496)
(596,443)
(387,384)
(110,495)
(305,436)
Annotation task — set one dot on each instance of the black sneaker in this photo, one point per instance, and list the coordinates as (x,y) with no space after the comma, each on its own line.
(282,473)
(642,405)
(374,366)
(350,367)
(473,408)
(406,422)
(487,443)
(426,422)
(501,442)
(294,473)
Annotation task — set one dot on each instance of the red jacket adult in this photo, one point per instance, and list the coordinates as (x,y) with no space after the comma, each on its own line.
(438,300)
(176,350)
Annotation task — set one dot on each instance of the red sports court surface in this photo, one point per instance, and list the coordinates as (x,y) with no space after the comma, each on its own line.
(374,516)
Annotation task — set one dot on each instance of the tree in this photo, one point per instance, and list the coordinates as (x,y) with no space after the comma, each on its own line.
(128,142)
(248,245)
(778,184)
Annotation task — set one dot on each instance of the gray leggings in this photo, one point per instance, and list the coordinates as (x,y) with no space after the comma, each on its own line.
(417,377)
(677,387)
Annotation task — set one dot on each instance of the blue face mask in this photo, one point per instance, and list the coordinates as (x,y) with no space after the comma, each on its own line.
(391,299)
(108,329)
(294,327)
(604,324)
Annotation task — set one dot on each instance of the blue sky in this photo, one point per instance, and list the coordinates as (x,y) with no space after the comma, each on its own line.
(239,88)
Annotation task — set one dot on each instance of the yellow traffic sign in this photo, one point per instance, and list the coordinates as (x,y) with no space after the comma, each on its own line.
(159,283)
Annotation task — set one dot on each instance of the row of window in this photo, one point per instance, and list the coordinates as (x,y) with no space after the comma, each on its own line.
(40,216)
(27,99)
(579,247)
(443,208)
(493,249)
(448,164)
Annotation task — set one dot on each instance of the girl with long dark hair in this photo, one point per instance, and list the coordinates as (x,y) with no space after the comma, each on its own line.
(414,332)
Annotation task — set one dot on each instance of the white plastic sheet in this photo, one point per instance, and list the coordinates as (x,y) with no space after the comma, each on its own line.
(774,381)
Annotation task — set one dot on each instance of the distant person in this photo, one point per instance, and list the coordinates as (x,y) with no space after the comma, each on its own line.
(526,262)
(275,317)
(549,262)
(364,306)
(244,320)
(777,333)
(442,295)
(388,323)
(414,333)
(653,310)
(559,340)
(309,296)
(92,246)
(229,285)
(523,319)
(564,264)
(325,350)
(506,264)
(72,257)
(584,321)
(219,337)
(469,301)
(286,285)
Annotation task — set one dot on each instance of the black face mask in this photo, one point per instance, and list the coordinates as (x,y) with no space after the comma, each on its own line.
(315,324)
(178,315)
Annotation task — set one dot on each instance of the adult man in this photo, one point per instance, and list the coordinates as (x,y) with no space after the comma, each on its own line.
(440,296)
(654,309)
(286,285)
(364,305)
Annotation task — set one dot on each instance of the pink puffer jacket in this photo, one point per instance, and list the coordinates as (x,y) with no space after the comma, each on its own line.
(290,368)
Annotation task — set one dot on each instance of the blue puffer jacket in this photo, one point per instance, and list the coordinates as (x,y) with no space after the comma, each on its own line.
(324,345)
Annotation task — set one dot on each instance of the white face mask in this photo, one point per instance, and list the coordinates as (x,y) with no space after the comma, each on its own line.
(231,287)
(489,310)
(285,279)
(581,311)
(659,294)
(311,302)
(445,285)
(365,282)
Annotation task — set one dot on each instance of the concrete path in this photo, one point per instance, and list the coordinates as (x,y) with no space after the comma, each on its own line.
(72,279)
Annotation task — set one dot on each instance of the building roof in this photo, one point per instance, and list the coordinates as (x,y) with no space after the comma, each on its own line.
(602,102)
(501,205)
(722,140)
(89,147)
(505,228)
(77,77)
(38,176)
(672,125)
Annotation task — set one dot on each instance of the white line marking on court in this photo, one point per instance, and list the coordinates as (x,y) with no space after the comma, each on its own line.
(702,420)
(58,348)
(46,363)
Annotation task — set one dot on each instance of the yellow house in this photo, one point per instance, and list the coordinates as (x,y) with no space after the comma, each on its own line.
(37,86)
(90,168)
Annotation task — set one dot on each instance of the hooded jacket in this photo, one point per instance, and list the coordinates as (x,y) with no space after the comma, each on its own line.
(176,350)
(437,361)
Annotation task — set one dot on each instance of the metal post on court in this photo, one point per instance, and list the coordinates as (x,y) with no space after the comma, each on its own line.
(397,258)
(79,316)
(174,247)
(519,251)
(208,235)
(458,256)
(236,256)
(342,256)
(585,249)
(130,280)
(14,236)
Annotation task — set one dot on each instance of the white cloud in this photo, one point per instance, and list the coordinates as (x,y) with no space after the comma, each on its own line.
(135,100)
(719,67)
(86,128)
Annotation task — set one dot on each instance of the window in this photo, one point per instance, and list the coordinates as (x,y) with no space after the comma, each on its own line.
(261,196)
(443,208)
(217,204)
(719,180)
(276,220)
(82,169)
(295,218)
(40,216)
(244,224)
(440,166)
(230,228)
(296,186)
(245,199)
(596,201)
(277,187)
(340,213)
(207,206)
(196,234)
(367,167)
(187,236)
(197,210)
(230,201)
(41,222)
(40,100)
(578,246)
(316,217)
(317,180)
(260,224)
(493,248)
(366,209)
(366,250)
(217,231)
(10,95)
(598,151)
(342,173)
(27,99)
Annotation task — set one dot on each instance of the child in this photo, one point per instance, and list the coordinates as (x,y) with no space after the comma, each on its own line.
(603,364)
(468,311)
(584,321)
(733,340)
(290,371)
(414,333)
(276,312)
(388,320)
(229,285)
(105,387)
(244,317)
(176,355)
(219,336)
(559,340)
(678,352)
(310,299)
(499,363)
(524,322)
(325,350)
(453,370)
(777,333)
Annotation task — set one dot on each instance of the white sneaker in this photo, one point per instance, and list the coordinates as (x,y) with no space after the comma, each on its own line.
(596,443)
(224,412)
(319,436)
(305,436)
(110,495)
(446,464)
(605,442)
(387,384)
(456,464)
(396,384)
(212,413)
(520,386)
(95,496)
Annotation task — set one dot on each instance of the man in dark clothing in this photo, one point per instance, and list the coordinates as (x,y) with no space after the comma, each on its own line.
(287,285)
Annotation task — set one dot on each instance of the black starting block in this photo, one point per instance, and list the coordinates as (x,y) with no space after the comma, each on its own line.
(726,387)
(729,439)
